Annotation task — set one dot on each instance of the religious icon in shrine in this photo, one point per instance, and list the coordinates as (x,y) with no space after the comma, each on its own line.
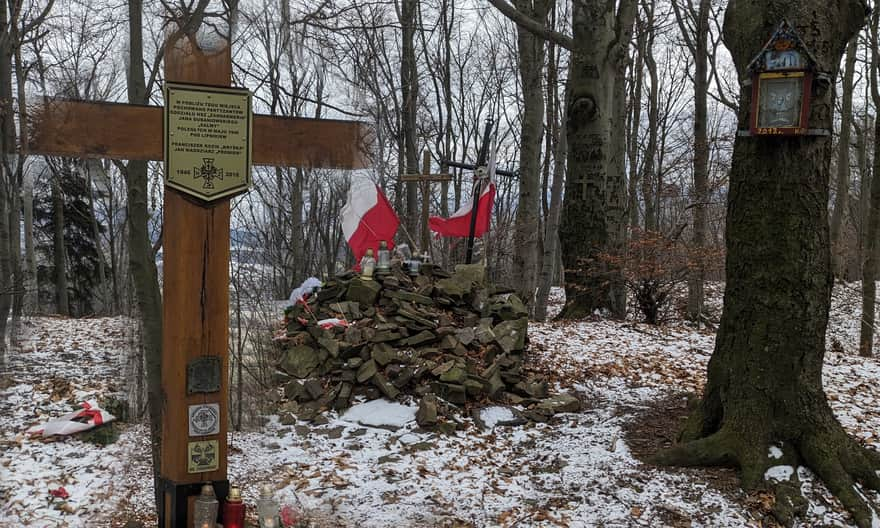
(781,76)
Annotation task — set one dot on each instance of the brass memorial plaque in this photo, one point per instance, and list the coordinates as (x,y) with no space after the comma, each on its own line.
(202,456)
(207,140)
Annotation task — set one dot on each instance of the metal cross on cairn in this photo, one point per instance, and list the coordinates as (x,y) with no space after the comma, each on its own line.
(481,175)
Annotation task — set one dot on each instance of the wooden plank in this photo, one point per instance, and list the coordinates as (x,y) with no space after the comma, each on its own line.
(426,177)
(95,129)
(195,310)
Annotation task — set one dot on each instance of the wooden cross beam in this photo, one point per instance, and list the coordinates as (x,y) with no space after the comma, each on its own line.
(95,129)
(425,179)
(196,255)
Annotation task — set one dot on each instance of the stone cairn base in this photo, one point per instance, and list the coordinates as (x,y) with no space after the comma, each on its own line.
(448,339)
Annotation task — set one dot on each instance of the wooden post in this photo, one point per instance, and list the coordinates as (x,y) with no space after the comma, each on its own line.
(424,179)
(426,197)
(196,245)
(195,307)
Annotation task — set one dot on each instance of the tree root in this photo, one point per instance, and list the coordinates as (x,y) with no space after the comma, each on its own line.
(836,459)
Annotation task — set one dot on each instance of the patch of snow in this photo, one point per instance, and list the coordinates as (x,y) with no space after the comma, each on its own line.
(779,473)
(497,413)
(775,452)
(380,413)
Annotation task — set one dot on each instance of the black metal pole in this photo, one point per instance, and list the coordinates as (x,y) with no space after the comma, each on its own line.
(478,187)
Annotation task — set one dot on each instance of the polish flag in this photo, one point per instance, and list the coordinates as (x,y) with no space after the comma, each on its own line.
(459,224)
(367,218)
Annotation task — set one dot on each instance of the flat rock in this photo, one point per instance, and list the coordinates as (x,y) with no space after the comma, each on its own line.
(499,415)
(381,413)
(300,361)
(425,336)
(363,291)
(426,416)
(366,371)
(560,403)
(386,388)
(511,335)
(383,354)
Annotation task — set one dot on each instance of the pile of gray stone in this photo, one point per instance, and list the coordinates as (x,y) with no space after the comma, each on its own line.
(448,339)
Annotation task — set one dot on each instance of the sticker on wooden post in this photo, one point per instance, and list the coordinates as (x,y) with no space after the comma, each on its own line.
(202,456)
(204,419)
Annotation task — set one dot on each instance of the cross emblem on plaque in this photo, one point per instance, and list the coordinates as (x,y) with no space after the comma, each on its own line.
(208,172)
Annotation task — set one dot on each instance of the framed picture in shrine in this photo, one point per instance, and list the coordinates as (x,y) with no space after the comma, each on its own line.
(781,103)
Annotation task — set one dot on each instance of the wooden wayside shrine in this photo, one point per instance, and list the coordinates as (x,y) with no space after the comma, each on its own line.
(196,251)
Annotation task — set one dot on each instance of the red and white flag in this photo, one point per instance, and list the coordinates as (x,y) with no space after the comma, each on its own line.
(459,224)
(368,218)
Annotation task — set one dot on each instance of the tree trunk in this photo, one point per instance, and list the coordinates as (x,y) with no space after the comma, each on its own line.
(141,259)
(90,168)
(841,202)
(616,197)
(764,385)
(7,144)
(635,113)
(872,237)
(700,53)
(59,260)
(649,170)
(409,87)
(551,233)
(601,38)
(31,285)
(526,227)
(864,191)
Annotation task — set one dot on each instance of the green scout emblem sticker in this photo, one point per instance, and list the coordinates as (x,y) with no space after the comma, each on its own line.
(202,456)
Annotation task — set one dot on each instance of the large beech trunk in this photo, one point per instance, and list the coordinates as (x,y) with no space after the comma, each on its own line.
(765,377)
(601,35)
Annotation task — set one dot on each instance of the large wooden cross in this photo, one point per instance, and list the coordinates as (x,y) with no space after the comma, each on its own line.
(196,247)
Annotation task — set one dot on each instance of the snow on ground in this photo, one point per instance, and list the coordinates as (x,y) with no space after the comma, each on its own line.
(577,471)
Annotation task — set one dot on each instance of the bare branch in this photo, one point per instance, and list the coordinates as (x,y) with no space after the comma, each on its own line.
(533,26)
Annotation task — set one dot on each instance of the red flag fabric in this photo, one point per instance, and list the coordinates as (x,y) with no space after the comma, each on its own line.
(368,218)
(459,224)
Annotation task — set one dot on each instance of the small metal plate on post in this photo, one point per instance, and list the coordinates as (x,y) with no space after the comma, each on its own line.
(203,375)
(202,456)
(204,419)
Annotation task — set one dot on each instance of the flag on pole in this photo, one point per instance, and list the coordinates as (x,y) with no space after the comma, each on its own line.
(459,224)
(367,218)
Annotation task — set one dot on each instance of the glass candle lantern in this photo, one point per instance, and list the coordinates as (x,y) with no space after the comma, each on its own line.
(233,509)
(267,509)
(383,260)
(414,265)
(368,265)
(205,508)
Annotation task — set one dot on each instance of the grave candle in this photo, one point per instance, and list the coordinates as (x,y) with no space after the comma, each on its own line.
(233,509)
(205,508)
(267,509)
